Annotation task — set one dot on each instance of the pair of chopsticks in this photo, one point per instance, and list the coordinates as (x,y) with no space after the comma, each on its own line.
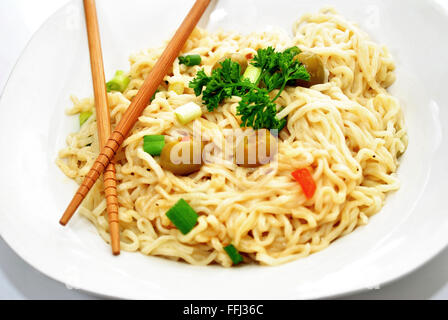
(111,143)
(102,120)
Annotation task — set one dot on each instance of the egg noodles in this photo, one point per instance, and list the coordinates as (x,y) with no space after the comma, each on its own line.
(348,132)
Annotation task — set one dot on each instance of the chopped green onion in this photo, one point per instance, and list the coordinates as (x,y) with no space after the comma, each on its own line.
(190,60)
(153,144)
(118,83)
(188,112)
(233,254)
(84,116)
(183,216)
(177,87)
(252,73)
(154,95)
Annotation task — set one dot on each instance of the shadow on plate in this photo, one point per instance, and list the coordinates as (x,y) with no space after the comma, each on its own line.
(28,282)
(424,283)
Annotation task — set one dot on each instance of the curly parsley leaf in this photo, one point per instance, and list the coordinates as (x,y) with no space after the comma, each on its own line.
(256,108)
(223,83)
(279,68)
(258,111)
(199,82)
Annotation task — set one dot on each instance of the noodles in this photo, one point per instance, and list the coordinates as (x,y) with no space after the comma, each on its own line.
(349,131)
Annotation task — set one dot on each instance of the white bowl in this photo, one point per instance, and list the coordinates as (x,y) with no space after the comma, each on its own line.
(408,231)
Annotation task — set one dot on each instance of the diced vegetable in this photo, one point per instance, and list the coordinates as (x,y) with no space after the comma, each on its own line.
(233,254)
(314,66)
(177,87)
(118,83)
(306,181)
(188,112)
(185,159)
(190,60)
(154,95)
(153,144)
(84,116)
(183,216)
(252,73)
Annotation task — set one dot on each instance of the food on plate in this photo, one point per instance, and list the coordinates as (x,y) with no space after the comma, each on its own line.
(319,138)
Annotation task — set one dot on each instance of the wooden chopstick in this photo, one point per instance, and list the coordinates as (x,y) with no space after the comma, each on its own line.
(102,119)
(137,105)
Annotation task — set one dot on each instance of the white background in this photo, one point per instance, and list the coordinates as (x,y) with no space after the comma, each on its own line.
(19,19)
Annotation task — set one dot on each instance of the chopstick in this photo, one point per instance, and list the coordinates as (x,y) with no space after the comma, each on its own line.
(102,119)
(137,105)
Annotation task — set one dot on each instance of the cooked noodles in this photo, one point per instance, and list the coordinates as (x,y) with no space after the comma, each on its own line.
(348,131)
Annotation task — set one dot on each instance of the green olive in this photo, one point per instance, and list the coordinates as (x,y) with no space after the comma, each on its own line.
(260,141)
(182,157)
(236,57)
(315,67)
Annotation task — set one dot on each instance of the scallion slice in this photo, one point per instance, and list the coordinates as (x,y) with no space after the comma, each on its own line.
(183,216)
(154,95)
(252,73)
(233,254)
(118,83)
(84,116)
(153,144)
(190,60)
(188,112)
(177,87)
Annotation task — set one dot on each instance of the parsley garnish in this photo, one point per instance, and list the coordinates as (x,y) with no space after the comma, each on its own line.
(256,108)
(278,68)
(258,111)
(224,82)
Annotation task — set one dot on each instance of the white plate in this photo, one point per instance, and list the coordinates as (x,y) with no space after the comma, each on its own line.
(409,230)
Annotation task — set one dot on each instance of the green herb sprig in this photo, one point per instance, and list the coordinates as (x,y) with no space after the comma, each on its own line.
(224,82)
(279,68)
(256,108)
